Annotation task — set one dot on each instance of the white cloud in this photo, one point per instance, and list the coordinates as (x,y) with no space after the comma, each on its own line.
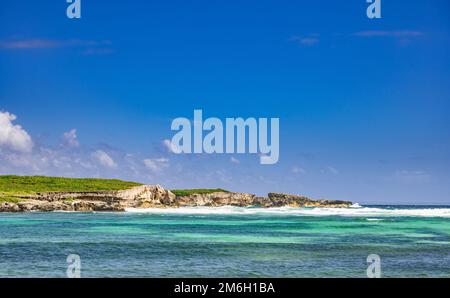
(19,156)
(13,136)
(156,165)
(235,160)
(104,159)
(172,148)
(167,144)
(307,41)
(298,170)
(23,161)
(330,170)
(70,138)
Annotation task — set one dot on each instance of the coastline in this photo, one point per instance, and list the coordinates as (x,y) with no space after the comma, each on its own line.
(372,212)
(154,196)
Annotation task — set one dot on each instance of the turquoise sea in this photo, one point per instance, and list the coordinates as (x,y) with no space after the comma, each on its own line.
(412,241)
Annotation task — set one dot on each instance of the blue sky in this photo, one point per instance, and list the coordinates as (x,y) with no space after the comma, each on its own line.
(363,104)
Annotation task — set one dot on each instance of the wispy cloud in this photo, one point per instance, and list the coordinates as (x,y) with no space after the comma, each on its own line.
(37,43)
(402,37)
(330,170)
(170,147)
(235,160)
(97,51)
(103,158)
(156,165)
(298,170)
(70,138)
(308,41)
(392,33)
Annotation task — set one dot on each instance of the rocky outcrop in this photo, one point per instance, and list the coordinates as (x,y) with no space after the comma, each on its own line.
(278,199)
(143,196)
(154,196)
(217,199)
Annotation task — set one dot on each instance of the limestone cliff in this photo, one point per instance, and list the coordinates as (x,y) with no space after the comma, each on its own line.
(154,196)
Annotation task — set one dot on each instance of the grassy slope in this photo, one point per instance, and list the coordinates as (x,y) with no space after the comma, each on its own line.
(187,192)
(11,186)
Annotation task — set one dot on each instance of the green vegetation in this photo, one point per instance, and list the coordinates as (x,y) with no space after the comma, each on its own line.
(12,186)
(187,192)
(6,199)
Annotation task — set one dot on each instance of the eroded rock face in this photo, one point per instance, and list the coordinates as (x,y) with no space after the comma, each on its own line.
(154,196)
(217,199)
(278,199)
(9,207)
(143,196)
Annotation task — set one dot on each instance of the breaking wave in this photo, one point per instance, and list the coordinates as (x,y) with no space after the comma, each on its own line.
(354,211)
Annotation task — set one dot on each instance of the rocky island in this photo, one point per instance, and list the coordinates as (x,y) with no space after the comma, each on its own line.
(37,193)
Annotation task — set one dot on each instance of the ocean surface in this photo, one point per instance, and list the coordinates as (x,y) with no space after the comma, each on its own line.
(412,241)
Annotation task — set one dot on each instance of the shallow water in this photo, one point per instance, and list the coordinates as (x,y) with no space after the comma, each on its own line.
(229,242)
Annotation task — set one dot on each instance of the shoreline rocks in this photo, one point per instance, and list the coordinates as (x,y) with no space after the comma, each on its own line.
(154,196)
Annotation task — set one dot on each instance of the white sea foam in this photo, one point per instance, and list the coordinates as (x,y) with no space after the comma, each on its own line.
(349,212)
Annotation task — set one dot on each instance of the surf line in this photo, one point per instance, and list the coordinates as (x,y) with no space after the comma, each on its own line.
(234,136)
